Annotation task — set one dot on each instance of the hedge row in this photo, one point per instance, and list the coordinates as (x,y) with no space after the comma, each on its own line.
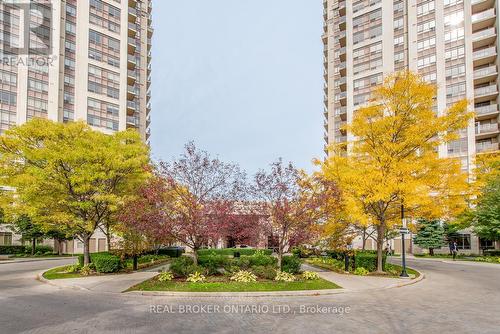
(231,251)
(104,262)
(11,250)
(368,260)
(492,252)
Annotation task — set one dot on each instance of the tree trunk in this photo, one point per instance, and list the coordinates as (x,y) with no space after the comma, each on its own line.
(135,262)
(108,236)
(380,246)
(195,256)
(86,250)
(431,251)
(33,246)
(364,240)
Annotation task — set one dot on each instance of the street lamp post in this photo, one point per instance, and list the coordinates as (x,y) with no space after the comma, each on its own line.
(403,233)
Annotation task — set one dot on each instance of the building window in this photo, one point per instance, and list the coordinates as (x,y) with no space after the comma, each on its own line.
(5,238)
(486,244)
(463,241)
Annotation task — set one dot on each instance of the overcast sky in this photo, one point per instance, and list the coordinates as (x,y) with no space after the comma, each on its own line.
(242,79)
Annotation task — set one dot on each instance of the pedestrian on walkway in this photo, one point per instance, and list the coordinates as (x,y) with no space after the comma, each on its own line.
(454,249)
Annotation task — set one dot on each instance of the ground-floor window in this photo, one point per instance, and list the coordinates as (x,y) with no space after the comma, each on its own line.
(487,244)
(5,238)
(463,241)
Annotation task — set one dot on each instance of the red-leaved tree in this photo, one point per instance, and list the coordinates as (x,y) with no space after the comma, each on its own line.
(191,200)
(297,204)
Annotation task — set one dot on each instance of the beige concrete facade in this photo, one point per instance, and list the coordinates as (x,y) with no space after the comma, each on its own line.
(99,70)
(452,43)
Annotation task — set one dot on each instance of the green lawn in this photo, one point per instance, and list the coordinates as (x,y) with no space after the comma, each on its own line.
(224,285)
(60,273)
(394,270)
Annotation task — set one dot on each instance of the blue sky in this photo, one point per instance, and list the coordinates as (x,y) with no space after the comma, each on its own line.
(242,79)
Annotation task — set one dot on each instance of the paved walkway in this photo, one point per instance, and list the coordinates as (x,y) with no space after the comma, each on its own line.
(473,290)
(354,283)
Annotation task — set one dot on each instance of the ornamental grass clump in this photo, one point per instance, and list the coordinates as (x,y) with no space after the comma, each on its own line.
(196,277)
(244,276)
(310,275)
(284,277)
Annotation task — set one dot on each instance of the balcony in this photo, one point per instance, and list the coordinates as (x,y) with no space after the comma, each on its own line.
(340,139)
(132,3)
(132,30)
(485,93)
(132,15)
(483,19)
(340,126)
(343,69)
(342,38)
(132,92)
(481,5)
(486,130)
(484,56)
(343,83)
(485,74)
(342,7)
(483,37)
(324,38)
(132,45)
(482,147)
(342,23)
(132,121)
(486,111)
(131,77)
(342,98)
(340,111)
(131,62)
(343,54)
(131,107)
(325,125)
(150,32)
(325,101)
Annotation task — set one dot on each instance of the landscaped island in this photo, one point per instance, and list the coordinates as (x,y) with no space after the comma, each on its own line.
(229,271)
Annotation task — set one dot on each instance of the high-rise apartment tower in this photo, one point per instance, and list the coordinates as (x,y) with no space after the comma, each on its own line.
(452,43)
(68,60)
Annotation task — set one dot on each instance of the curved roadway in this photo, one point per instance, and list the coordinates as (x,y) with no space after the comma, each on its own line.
(460,297)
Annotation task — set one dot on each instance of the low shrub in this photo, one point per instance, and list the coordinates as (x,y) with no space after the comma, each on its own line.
(213,263)
(180,266)
(11,250)
(291,264)
(368,260)
(170,251)
(327,263)
(303,252)
(244,276)
(336,254)
(40,249)
(165,276)
(284,277)
(492,252)
(73,268)
(260,258)
(242,262)
(151,258)
(265,272)
(231,251)
(80,257)
(196,277)
(310,275)
(106,263)
(360,271)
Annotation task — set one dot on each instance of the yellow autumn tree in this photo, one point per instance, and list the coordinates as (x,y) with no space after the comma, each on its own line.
(393,160)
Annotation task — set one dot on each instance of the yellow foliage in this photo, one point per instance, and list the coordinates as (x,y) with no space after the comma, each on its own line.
(394,160)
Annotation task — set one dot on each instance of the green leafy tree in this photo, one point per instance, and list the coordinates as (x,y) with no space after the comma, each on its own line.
(430,235)
(29,231)
(486,216)
(69,177)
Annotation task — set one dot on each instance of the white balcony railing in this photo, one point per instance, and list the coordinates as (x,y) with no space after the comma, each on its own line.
(485,90)
(486,128)
(490,13)
(492,51)
(486,147)
(483,34)
(485,71)
(484,110)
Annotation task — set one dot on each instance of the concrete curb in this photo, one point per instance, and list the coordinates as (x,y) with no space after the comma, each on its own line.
(54,282)
(256,294)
